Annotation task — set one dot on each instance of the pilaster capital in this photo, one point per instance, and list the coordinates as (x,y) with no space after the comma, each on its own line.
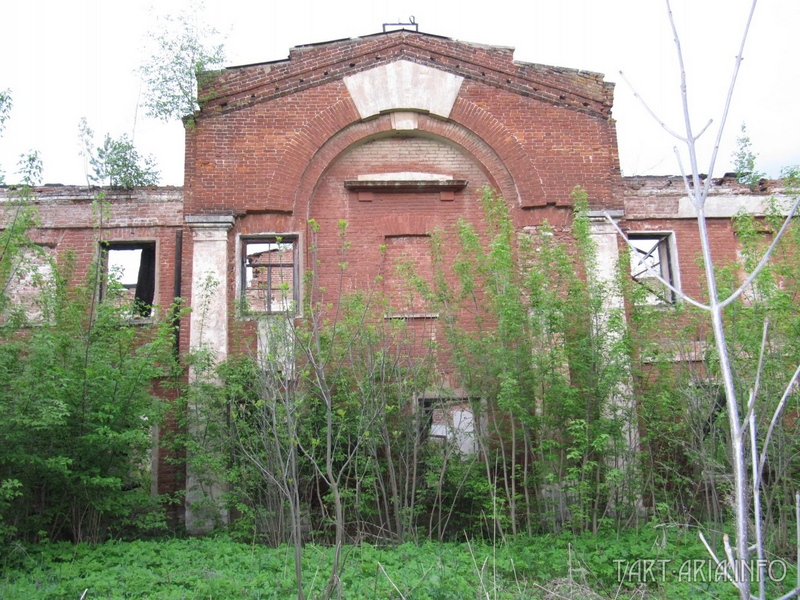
(210,227)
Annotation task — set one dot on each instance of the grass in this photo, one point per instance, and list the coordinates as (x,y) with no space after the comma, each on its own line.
(543,567)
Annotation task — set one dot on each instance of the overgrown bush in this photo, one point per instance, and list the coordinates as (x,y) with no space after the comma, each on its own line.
(77,409)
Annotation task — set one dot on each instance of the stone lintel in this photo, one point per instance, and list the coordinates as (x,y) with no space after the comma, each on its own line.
(405,185)
(210,221)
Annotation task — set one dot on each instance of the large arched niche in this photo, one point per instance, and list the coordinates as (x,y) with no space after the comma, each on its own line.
(384,222)
(448,132)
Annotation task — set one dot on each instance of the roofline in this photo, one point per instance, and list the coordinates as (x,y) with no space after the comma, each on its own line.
(361,37)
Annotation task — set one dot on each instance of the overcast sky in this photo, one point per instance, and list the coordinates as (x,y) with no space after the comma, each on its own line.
(64,60)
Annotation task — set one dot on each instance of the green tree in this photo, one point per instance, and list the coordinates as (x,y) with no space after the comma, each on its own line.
(30,168)
(742,396)
(533,339)
(77,396)
(30,164)
(77,406)
(117,163)
(19,217)
(744,161)
(181,53)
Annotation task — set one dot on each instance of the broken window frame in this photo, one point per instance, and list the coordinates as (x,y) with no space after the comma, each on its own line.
(290,239)
(142,307)
(461,435)
(665,265)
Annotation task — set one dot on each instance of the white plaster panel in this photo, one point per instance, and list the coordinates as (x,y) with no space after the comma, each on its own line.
(621,405)
(403,85)
(209,330)
(405,121)
(209,321)
(604,235)
(405,176)
(724,206)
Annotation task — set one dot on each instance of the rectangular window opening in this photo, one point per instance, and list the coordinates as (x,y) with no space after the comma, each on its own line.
(652,255)
(130,269)
(270,275)
(446,421)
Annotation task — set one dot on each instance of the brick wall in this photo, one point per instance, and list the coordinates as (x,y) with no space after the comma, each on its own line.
(263,124)
(68,221)
(69,224)
(275,142)
(660,204)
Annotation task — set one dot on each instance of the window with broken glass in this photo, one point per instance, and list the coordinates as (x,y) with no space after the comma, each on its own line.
(651,258)
(447,420)
(270,282)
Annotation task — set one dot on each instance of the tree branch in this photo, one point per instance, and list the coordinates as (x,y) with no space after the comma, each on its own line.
(764,259)
(653,273)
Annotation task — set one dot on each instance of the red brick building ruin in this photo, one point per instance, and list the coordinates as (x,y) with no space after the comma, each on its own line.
(397,134)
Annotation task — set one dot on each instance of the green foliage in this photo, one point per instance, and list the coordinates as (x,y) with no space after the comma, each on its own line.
(533,338)
(744,162)
(30,164)
(116,163)
(548,363)
(181,55)
(15,247)
(6,104)
(29,167)
(323,421)
(77,410)
(331,421)
(686,446)
(772,299)
(527,567)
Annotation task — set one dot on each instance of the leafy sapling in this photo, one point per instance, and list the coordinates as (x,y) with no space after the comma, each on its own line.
(117,163)
(6,103)
(180,53)
(30,168)
(744,161)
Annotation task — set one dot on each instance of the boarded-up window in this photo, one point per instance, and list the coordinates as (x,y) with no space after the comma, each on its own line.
(31,274)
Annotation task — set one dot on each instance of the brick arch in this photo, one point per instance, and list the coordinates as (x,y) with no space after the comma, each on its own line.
(428,126)
(301,149)
(517,160)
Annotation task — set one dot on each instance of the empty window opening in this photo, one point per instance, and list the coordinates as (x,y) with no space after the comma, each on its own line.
(652,257)
(270,275)
(131,275)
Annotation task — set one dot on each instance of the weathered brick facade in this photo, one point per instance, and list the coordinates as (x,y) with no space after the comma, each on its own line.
(660,204)
(396,134)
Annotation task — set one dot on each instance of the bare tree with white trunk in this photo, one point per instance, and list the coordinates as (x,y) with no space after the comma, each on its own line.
(743,561)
